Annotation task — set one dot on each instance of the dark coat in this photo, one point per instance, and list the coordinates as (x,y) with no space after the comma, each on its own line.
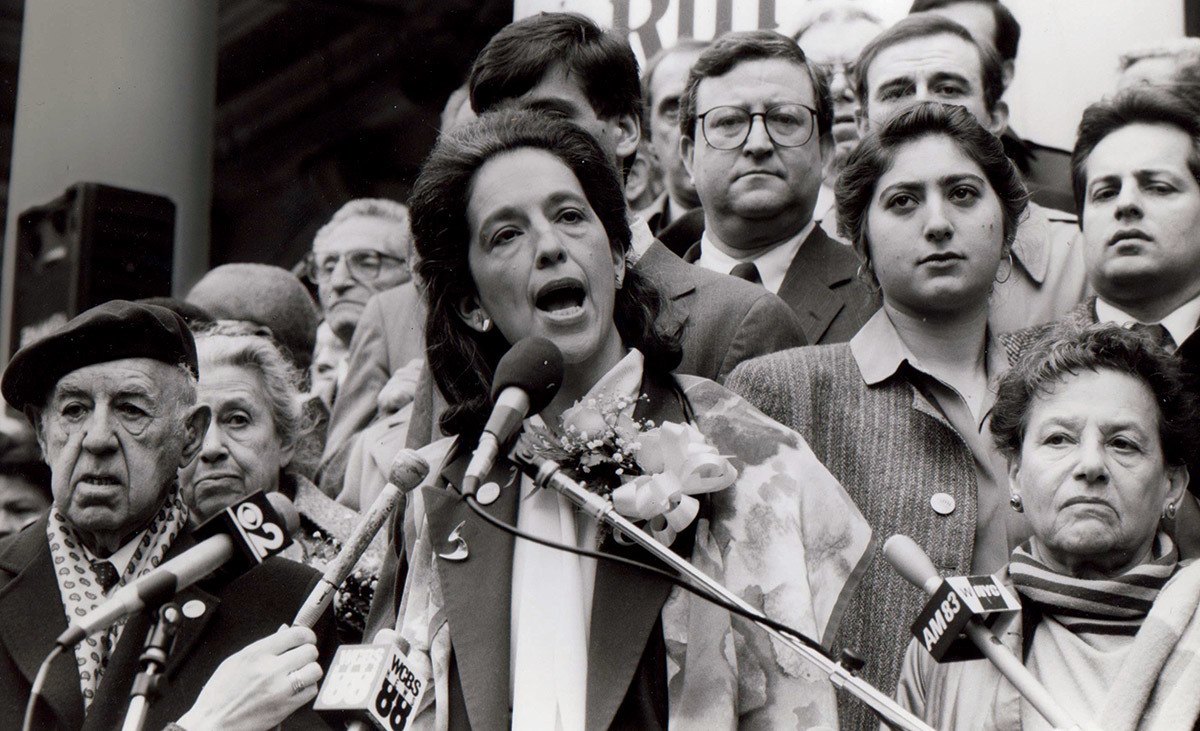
(1045,170)
(823,289)
(237,612)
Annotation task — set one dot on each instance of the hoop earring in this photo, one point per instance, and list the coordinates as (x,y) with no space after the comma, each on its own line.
(1170,511)
(1008,274)
(1016,503)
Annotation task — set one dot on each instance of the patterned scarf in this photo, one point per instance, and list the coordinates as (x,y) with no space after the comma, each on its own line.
(1112,606)
(81,593)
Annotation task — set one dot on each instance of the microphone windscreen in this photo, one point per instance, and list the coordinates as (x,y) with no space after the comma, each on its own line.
(286,511)
(534,365)
(408,470)
(911,562)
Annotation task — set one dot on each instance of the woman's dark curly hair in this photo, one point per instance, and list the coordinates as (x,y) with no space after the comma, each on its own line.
(876,154)
(1068,349)
(462,360)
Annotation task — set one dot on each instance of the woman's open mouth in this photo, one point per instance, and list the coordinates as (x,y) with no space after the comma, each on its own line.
(561,300)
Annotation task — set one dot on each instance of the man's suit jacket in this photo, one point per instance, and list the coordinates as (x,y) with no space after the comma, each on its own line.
(390,333)
(722,320)
(823,289)
(237,612)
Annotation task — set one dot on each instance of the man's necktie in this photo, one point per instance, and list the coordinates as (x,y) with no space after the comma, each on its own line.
(746,270)
(1157,333)
(106,574)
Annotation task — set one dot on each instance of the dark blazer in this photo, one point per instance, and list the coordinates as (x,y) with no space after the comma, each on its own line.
(626,651)
(680,234)
(823,289)
(721,319)
(237,612)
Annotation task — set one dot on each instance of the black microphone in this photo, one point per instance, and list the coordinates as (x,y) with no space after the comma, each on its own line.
(251,530)
(407,471)
(527,379)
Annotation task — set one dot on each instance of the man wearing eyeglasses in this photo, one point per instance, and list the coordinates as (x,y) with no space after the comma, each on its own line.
(756,128)
(363,250)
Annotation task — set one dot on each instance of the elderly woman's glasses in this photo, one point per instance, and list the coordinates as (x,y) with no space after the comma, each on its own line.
(363,265)
(788,125)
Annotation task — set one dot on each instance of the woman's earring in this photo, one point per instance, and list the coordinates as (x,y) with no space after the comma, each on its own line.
(485,323)
(1169,511)
(1008,273)
(1015,502)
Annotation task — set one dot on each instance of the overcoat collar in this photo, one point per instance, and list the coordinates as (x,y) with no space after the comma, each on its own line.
(29,640)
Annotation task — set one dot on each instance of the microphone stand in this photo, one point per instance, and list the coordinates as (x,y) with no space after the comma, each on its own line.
(546,474)
(148,683)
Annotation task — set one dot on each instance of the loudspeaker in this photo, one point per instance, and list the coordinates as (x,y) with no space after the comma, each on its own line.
(92,244)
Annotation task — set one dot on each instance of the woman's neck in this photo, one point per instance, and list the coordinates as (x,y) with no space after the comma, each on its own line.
(951,348)
(1103,566)
(578,379)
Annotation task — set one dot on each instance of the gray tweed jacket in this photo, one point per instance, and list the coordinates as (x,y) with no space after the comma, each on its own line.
(892,451)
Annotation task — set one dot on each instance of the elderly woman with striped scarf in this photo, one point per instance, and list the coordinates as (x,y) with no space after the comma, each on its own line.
(1096,427)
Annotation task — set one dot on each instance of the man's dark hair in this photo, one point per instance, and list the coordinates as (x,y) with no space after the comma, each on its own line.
(1151,105)
(927,26)
(732,49)
(1007,37)
(517,58)
(1065,350)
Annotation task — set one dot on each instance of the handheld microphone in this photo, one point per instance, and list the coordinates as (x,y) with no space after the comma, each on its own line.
(375,686)
(407,471)
(527,379)
(912,563)
(251,530)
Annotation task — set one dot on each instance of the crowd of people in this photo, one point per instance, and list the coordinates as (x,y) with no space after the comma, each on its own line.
(809,291)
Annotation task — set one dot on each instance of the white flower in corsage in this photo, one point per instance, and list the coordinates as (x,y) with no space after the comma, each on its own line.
(651,473)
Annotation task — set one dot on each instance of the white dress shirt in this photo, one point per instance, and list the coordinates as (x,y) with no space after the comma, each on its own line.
(1180,323)
(772,264)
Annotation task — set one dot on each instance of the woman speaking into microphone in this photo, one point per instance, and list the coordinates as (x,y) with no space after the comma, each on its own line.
(520,229)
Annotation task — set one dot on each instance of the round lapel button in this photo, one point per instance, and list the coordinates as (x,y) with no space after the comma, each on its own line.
(942,503)
(487,493)
(193,608)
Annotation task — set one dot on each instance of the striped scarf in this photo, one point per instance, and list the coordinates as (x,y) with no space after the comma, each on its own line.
(81,593)
(1113,606)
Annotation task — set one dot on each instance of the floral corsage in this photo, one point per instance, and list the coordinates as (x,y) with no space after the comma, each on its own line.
(652,473)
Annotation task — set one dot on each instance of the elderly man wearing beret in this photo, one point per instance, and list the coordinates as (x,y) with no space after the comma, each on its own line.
(112,400)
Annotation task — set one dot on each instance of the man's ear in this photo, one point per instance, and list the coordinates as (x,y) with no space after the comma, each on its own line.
(1007,70)
(196,426)
(627,135)
(34,416)
(999,119)
(826,143)
(687,147)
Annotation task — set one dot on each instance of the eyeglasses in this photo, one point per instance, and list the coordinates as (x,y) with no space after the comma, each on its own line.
(788,125)
(364,265)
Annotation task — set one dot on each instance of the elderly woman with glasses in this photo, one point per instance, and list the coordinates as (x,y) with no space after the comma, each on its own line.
(363,250)
(1096,426)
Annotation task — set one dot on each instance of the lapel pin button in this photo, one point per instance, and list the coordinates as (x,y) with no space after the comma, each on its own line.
(942,503)
(487,493)
(460,552)
(193,608)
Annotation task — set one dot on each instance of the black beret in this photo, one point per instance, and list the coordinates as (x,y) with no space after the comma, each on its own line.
(107,332)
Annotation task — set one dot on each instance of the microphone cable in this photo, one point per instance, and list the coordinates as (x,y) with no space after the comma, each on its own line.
(638,565)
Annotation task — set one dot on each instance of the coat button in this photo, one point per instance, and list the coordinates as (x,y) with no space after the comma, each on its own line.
(942,503)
